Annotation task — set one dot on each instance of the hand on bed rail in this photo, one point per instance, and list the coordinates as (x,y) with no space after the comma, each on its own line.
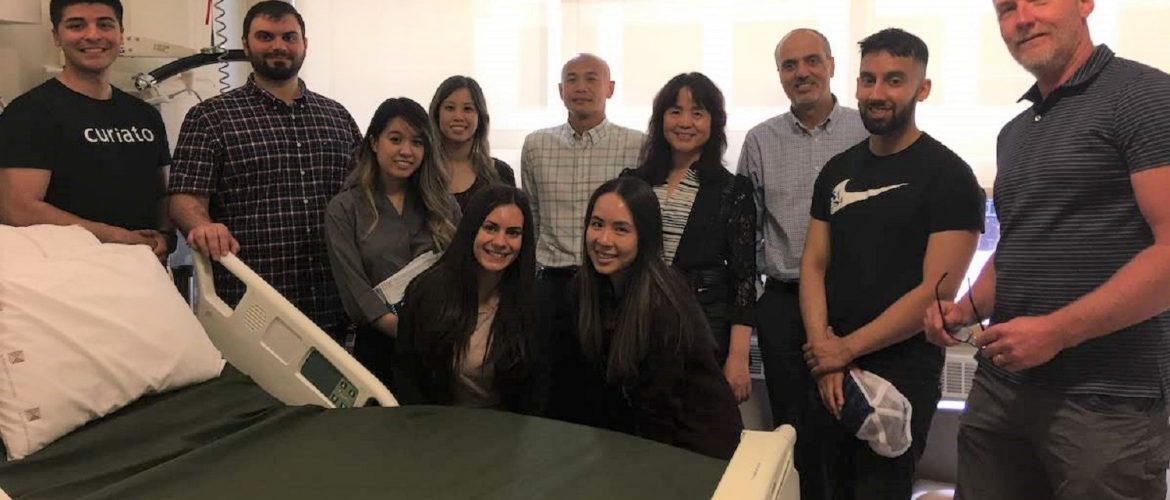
(213,240)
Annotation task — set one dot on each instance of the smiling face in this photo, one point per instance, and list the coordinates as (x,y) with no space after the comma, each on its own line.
(458,118)
(686,124)
(275,47)
(888,89)
(611,239)
(499,239)
(89,36)
(805,69)
(399,149)
(585,86)
(1043,36)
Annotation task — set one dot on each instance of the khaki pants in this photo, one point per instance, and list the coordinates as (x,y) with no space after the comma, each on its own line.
(1027,443)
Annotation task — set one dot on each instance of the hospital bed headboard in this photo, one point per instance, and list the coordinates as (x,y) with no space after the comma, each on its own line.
(273,342)
(762,468)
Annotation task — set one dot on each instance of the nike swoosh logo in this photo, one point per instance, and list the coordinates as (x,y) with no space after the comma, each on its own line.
(843,197)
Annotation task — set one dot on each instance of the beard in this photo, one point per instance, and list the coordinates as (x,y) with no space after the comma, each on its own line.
(277,72)
(1042,63)
(899,118)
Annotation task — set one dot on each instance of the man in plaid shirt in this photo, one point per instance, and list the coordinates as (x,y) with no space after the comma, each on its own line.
(560,167)
(255,167)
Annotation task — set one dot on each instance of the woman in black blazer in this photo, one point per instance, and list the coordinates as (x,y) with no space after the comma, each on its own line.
(641,360)
(709,215)
(466,336)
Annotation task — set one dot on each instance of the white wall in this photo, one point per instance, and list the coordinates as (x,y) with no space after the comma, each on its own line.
(363,51)
(27,51)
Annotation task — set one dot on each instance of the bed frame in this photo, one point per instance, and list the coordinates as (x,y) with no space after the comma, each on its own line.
(270,340)
(762,468)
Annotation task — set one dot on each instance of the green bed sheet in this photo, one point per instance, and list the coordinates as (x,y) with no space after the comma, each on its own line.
(228,439)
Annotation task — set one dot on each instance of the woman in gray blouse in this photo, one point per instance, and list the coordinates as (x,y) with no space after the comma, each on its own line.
(395,207)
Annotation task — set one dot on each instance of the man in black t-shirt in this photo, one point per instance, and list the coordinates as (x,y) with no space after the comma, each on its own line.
(76,150)
(890,217)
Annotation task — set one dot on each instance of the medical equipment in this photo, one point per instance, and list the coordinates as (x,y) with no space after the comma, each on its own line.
(227,438)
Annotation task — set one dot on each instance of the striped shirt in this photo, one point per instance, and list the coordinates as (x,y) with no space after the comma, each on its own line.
(560,169)
(782,158)
(1069,220)
(269,169)
(676,210)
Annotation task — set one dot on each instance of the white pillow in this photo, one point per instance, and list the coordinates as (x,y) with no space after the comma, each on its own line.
(85,329)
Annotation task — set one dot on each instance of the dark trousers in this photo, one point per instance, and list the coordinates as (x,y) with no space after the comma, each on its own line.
(1020,442)
(552,299)
(555,319)
(834,464)
(780,331)
(375,350)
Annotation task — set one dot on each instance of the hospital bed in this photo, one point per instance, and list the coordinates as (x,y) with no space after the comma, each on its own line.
(268,428)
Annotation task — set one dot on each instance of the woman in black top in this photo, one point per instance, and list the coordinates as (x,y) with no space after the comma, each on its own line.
(467,336)
(709,215)
(460,116)
(642,360)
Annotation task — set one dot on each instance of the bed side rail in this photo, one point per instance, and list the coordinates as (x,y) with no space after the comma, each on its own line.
(762,468)
(273,342)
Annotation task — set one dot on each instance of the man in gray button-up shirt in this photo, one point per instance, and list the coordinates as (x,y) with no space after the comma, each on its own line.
(782,156)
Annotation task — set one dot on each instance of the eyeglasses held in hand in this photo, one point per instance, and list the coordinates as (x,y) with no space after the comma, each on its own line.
(961,334)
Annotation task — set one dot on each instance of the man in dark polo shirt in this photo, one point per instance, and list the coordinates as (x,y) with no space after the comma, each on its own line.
(75,150)
(1069,400)
(891,216)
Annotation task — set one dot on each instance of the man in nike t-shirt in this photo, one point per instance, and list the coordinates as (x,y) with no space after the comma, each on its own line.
(890,217)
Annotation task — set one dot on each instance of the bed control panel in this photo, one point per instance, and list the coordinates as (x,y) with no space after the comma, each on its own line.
(327,379)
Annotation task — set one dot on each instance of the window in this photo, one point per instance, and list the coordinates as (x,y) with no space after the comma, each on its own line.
(363,51)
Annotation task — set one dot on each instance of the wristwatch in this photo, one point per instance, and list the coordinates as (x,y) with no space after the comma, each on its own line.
(395,307)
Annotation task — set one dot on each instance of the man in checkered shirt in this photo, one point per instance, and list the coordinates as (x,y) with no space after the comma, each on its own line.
(255,167)
(560,167)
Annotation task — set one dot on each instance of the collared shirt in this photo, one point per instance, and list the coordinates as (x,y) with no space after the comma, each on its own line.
(369,244)
(560,169)
(269,169)
(1069,219)
(782,158)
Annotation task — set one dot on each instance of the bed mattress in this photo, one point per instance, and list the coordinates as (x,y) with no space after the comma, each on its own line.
(227,438)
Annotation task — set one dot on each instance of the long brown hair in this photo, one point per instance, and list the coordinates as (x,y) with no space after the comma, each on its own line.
(481,155)
(429,181)
(451,290)
(651,290)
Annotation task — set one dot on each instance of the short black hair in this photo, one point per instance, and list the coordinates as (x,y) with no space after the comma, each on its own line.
(896,42)
(272,9)
(56,7)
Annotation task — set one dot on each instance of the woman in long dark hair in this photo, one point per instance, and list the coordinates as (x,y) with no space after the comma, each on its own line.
(467,335)
(460,116)
(708,214)
(394,207)
(645,357)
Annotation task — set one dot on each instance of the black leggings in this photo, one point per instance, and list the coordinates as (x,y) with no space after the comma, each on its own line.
(375,350)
